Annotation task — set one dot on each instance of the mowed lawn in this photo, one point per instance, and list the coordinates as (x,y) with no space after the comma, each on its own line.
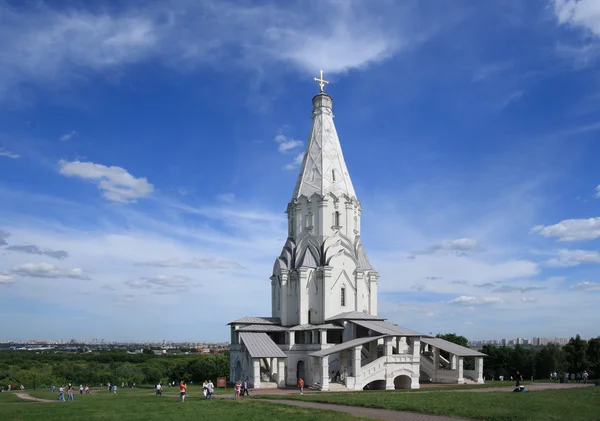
(544,405)
(141,404)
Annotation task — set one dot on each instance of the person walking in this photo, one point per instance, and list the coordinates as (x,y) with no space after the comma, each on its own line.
(585,376)
(301,385)
(211,389)
(238,386)
(61,393)
(182,387)
(245,388)
(205,389)
(70,390)
(159,389)
(81,389)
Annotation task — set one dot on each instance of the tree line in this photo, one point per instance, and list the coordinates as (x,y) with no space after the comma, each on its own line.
(537,361)
(44,369)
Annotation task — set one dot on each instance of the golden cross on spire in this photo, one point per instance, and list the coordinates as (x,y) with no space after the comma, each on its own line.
(321,81)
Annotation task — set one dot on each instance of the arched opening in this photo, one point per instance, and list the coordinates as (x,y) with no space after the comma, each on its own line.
(375,385)
(300,370)
(238,371)
(402,382)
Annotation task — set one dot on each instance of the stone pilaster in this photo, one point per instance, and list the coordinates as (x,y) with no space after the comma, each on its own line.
(325,373)
(460,370)
(256,373)
(479,369)
(281,372)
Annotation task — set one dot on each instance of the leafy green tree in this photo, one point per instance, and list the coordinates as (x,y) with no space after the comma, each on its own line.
(593,356)
(576,355)
(549,359)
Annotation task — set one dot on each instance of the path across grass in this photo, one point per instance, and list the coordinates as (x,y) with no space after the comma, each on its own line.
(573,404)
(142,404)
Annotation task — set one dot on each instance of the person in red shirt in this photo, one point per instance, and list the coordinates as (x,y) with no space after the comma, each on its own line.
(301,385)
(182,387)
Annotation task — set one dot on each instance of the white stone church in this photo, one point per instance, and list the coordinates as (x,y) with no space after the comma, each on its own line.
(324,326)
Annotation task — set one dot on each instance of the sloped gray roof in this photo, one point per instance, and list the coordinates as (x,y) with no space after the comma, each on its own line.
(346,345)
(257,321)
(263,328)
(353,315)
(386,328)
(259,345)
(363,260)
(326,326)
(452,348)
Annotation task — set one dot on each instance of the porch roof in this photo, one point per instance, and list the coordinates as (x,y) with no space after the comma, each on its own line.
(346,345)
(259,345)
(386,328)
(452,348)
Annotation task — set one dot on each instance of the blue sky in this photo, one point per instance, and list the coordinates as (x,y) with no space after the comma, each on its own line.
(147,155)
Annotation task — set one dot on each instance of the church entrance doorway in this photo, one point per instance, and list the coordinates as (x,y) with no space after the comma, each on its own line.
(300,370)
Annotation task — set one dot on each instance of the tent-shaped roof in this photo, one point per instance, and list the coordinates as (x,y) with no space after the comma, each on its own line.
(326,326)
(259,345)
(263,328)
(452,348)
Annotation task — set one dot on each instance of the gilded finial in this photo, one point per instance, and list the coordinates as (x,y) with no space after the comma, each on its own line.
(321,81)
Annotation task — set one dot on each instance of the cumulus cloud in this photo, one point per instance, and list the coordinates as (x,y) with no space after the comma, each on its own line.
(197,263)
(32,249)
(3,236)
(9,154)
(579,13)
(46,270)
(5,279)
(471,301)
(68,136)
(116,183)
(286,144)
(566,258)
(570,229)
(586,286)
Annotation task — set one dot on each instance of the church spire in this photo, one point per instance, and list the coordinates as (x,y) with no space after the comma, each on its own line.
(323,167)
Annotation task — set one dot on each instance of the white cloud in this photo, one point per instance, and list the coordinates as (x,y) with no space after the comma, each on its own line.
(296,162)
(586,286)
(459,246)
(9,154)
(45,45)
(598,192)
(529,300)
(566,258)
(286,144)
(32,249)
(579,13)
(571,229)
(116,183)
(196,263)
(68,136)
(471,301)
(45,270)
(5,279)
(521,289)
(3,236)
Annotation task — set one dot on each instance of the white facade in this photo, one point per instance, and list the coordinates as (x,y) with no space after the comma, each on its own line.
(323,269)
(323,324)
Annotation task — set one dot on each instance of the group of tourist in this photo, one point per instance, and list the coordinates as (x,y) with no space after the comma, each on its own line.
(208,389)
(574,377)
(241,388)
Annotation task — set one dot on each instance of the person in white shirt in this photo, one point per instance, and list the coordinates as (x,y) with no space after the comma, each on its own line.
(211,389)
(61,394)
(159,389)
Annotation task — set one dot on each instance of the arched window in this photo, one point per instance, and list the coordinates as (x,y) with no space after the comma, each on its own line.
(309,316)
(309,220)
(336,219)
(343,296)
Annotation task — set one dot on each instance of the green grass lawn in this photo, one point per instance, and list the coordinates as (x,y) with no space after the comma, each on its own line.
(544,405)
(141,404)
(8,397)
